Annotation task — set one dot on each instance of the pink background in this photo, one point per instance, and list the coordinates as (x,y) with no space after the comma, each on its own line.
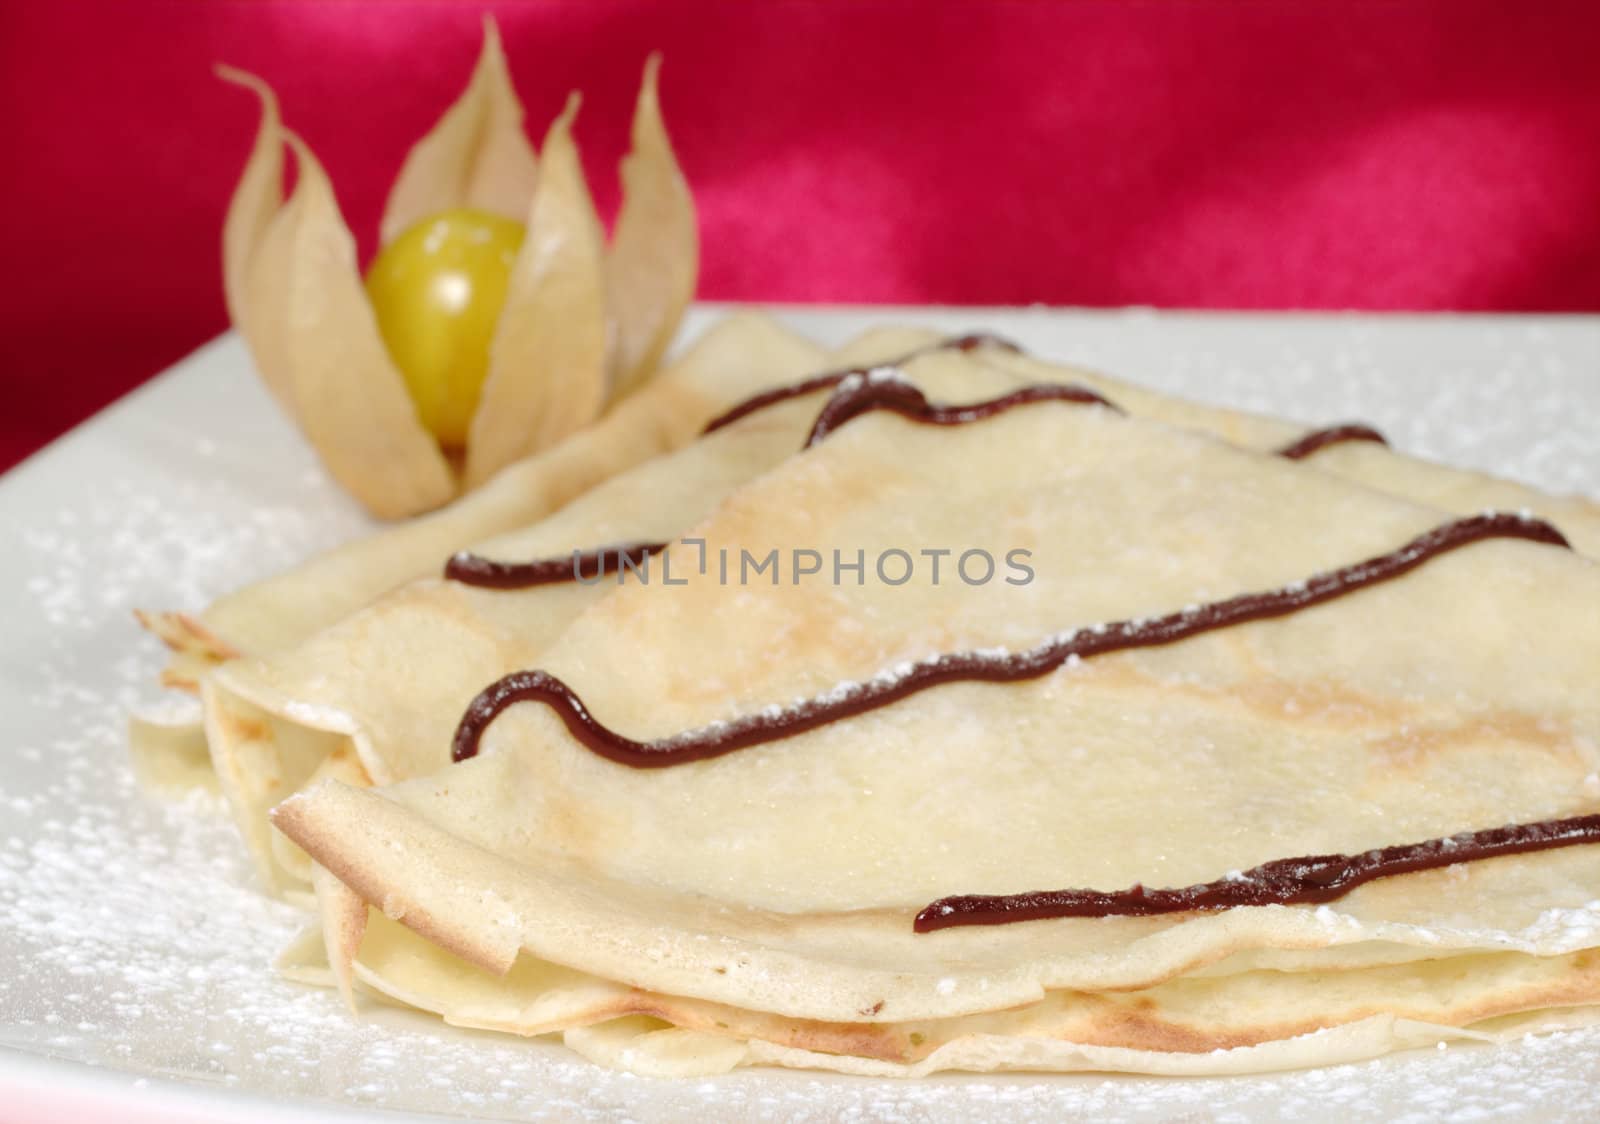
(1201,153)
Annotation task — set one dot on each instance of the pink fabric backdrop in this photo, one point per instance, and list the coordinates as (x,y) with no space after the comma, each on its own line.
(1204,153)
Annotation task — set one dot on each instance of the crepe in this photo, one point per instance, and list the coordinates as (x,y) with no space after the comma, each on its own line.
(1363,459)
(670,1036)
(742,357)
(377,694)
(274,721)
(285,609)
(281,611)
(762,902)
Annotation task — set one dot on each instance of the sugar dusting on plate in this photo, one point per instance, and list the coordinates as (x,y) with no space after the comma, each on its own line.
(132,935)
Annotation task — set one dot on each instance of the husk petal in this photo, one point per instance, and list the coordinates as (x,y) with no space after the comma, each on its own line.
(353,404)
(255,200)
(297,299)
(475,156)
(654,259)
(547,362)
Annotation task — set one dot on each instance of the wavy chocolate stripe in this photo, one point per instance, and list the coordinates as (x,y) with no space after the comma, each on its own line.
(1319,439)
(871,393)
(757,402)
(1305,880)
(900,397)
(865,394)
(579,566)
(976,666)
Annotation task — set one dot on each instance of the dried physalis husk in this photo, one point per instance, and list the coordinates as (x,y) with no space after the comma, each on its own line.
(655,248)
(476,156)
(304,314)
(547,361)
(578,326)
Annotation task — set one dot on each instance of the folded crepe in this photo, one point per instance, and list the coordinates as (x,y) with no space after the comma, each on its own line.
(375,697)
(279,612)
(360,700)
(743,360)
(744,823)
(740,354)
(1349,450)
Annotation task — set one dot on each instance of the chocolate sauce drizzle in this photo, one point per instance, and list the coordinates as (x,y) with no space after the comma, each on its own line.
(871,393)
(1319,439)
(865,394)
(581,566)
(901,397)
(1297,881)
(754,404)
(976,666)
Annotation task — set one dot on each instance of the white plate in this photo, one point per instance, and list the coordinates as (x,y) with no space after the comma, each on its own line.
(132,939)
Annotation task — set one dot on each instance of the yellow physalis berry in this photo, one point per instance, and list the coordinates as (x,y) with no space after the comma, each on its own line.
(437,291)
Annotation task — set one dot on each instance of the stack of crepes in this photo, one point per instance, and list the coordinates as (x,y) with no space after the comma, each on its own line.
(807,820)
